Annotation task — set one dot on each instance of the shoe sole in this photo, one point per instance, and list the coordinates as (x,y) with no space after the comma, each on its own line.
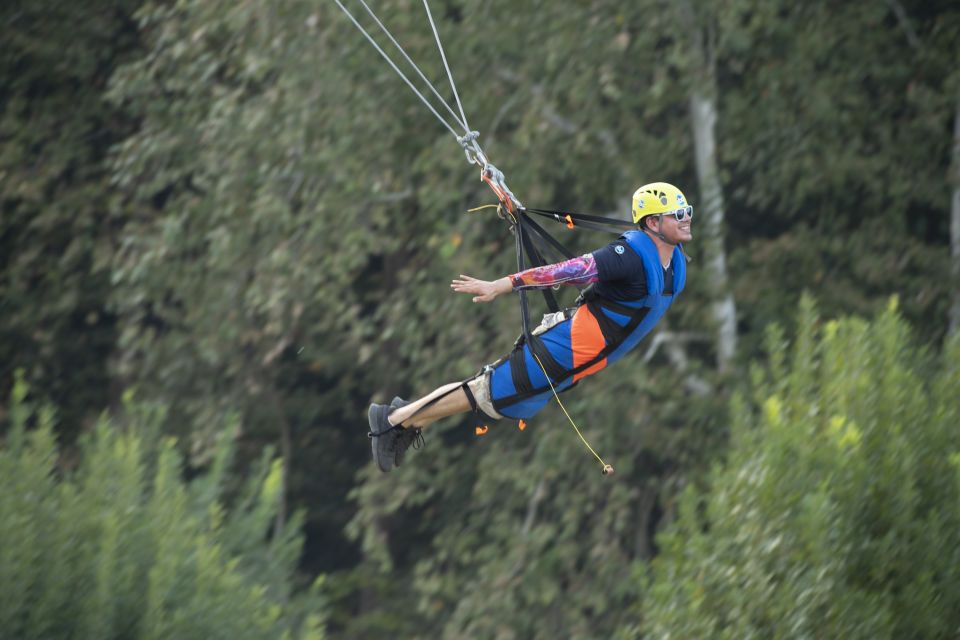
(376,416)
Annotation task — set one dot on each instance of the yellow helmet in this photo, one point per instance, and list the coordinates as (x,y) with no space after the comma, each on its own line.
(656,198)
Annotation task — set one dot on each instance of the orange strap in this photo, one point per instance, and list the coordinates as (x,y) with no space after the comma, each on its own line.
(501,195)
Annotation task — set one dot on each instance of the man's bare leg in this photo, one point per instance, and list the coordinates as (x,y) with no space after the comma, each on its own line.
(454,402)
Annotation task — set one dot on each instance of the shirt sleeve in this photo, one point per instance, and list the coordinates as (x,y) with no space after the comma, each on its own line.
(617,261)
(582,270)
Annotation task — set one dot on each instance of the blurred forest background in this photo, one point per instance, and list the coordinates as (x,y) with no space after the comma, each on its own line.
(227,227)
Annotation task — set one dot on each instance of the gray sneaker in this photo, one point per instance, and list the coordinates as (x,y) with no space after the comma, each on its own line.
(390,443)
(382,436)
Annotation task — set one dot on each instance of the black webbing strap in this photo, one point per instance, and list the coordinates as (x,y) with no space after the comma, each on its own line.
(551,367)
(537,259)
(518,370)
(518,367)
(636,315)
(524,309)
(531,238)
(465,385)
(598,223)
(616,307)
(599,227)
(612,332)
(542,236)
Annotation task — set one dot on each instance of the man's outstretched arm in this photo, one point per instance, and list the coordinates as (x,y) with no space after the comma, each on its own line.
(581,270)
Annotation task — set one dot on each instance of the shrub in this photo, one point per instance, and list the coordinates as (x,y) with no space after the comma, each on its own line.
(122,547)
(837,512)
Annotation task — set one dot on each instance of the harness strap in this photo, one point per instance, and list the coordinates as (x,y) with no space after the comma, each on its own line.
(518,370)
(552,368)
(612,305)
(524,308)
(465,385)
(596,227)
(537,259)
(612,332)
(544,237)
(599,223)
(560,374)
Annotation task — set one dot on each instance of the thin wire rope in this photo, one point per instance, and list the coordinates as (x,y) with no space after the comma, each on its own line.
(446,66)
(395,68)
(413,64)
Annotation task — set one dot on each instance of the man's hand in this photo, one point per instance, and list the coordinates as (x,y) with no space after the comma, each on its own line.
(486,290)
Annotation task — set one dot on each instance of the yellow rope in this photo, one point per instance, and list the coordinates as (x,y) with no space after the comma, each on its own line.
(486,206)
(607,469)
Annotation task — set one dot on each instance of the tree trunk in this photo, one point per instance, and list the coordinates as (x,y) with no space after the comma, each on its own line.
(703,121)
(955,223)
(703,116)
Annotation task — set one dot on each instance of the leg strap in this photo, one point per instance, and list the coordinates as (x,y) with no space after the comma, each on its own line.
(465,385)
(480,407)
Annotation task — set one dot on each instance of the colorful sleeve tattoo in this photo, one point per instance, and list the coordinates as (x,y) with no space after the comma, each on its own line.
(582,270)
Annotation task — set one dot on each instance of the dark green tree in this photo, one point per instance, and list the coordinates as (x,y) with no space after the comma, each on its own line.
(57,224)
(836,143)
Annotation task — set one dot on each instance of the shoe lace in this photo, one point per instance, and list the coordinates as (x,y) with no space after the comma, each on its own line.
(412,436)
(403,440)
(418,440)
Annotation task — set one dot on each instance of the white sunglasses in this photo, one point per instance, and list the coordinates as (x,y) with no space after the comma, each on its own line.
(680,214)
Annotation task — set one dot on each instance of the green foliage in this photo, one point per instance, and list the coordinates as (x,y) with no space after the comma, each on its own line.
(844,88)
(517,534)
(239,210)
(121,547)
(57,227)
(835,513)
(835,134)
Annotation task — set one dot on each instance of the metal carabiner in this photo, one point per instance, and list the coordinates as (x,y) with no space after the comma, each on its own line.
(494,179)
(470,147)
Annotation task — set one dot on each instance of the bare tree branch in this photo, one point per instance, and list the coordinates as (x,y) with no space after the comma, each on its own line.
(955,222)
(904,22)
(532,505)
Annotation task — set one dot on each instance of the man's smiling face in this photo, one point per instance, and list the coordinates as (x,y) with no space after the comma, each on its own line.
(674,231)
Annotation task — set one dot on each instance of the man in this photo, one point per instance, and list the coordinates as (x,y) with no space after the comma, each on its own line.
(633,282)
